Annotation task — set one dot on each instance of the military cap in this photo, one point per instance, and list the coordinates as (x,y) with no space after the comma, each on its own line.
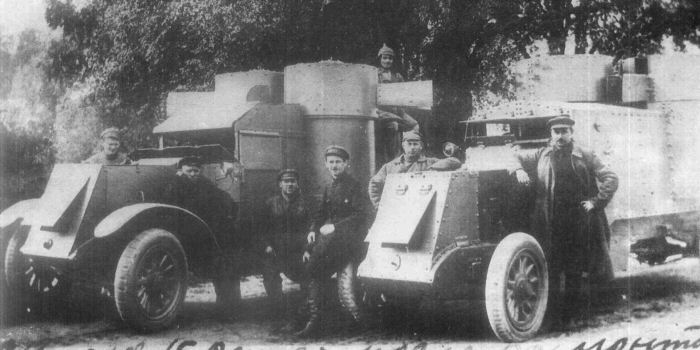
(112,133)
(189,161)
(335,150)
(412,135)
(561,121)
(287,174)
(385,50)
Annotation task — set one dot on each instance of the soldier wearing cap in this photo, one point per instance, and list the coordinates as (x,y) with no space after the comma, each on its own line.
(337,230)
(192,191)
(392,121)
(284,229)
(572,188)
(110,154)
(412,160)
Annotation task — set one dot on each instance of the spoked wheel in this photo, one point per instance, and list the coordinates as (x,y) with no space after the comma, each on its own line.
(39,285)
(151,280)
(517,286)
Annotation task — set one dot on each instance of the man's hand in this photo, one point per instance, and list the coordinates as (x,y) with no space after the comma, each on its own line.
(311,237)
(587,205)
(327,229)
(269,250)
(522,177)
(306,257)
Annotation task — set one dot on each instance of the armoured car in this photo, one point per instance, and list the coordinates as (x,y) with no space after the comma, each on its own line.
(113,227)
(466,234)
(116,229)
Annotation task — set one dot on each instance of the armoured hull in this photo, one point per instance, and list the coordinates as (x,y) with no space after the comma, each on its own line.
(337,102)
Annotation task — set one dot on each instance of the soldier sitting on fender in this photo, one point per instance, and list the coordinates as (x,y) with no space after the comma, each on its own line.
(412,160)
(284,233)
(337,231)
(195,193)
(110,155)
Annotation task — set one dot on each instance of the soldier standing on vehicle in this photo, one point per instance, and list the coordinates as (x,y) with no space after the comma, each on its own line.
(572,189)
(337,231)
(194,192)
(412,160)
(284,234)
(392,121)
(110,154)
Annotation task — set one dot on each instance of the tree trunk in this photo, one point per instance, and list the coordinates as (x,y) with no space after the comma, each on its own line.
(558,27)
(581,27)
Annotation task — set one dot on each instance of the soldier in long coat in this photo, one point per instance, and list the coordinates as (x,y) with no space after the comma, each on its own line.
(573,187)
(194,192)
(337,230)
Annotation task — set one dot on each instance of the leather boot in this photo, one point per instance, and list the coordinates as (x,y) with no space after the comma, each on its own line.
(314,303)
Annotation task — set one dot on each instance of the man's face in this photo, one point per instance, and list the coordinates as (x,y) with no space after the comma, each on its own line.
(289,186)
(386,61)
(110,146)
(412,148)
(336,165)
(192,172)
(561,135)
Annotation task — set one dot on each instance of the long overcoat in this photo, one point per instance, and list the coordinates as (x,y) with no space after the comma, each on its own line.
(599,185)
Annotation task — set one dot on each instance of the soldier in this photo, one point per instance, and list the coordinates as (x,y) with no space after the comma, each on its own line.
(412,160)
(110,154)
(284,235)
(336,232)
(195,193)
(393,121)
(572,189)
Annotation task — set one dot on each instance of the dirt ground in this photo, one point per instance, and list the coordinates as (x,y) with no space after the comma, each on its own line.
(660,310)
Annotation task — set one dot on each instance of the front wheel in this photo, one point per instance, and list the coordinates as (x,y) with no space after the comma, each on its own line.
(517,286)
(151,280)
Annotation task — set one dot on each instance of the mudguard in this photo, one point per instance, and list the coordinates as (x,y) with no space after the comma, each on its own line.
(194,234)
(18,211)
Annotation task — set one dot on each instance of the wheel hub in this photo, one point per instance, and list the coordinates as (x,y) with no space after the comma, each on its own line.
(158,284)
(522,292)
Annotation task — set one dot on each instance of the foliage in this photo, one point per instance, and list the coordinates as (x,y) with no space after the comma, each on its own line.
(26,116)
(117,59)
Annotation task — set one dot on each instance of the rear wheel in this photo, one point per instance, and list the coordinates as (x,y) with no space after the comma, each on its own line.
(517,286)
(151,280)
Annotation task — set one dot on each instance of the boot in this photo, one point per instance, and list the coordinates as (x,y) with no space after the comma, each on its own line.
(347,293)
(314,303)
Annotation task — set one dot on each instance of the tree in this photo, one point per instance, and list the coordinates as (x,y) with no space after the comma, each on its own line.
(26,116)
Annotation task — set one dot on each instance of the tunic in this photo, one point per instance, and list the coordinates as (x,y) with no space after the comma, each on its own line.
(345,205)
(101,158)
(397,166)
(284,229)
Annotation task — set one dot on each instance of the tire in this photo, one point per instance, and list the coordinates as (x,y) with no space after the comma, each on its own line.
(348,291)
(15,261)
(39,287)
(151,281)
(517,287)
